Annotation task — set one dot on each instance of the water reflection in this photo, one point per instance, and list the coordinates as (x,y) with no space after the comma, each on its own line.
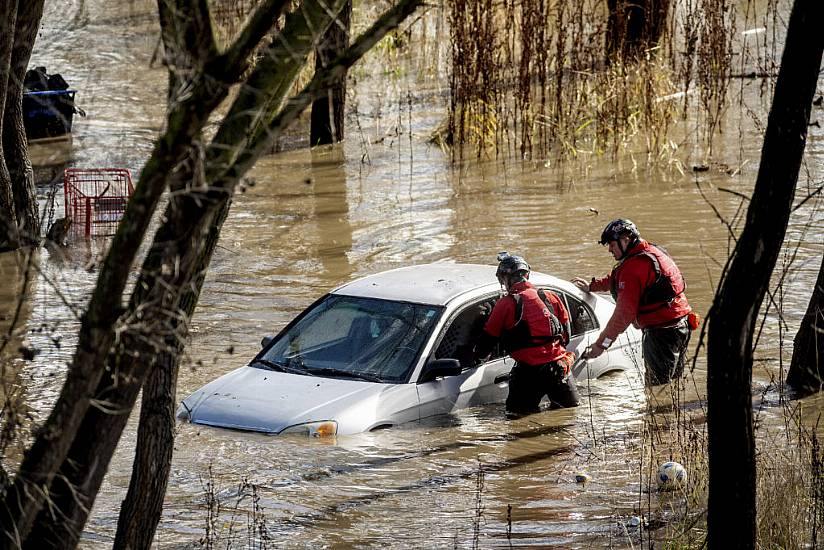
(331,212)
(16,349)
(18,275)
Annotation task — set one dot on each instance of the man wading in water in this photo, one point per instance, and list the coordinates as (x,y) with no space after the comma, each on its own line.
(531,325)
(649,292)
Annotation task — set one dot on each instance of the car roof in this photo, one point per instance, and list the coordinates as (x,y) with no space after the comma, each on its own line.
(433,284)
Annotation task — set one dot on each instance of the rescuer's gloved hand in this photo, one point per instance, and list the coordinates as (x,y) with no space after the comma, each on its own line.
(557,373)
(583,284)
(593,351)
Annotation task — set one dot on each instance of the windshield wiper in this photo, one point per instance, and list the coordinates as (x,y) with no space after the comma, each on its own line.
(329,371)
(280,367)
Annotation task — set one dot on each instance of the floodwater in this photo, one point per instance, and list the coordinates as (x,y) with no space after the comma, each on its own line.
(386,198)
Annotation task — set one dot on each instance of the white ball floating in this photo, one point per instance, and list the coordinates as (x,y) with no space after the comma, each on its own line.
(671,475)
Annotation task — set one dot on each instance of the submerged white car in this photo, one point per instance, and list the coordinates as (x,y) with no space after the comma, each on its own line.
(391,348)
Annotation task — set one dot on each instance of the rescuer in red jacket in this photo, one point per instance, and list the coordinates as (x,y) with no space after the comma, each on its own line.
(531,325)
(649,292)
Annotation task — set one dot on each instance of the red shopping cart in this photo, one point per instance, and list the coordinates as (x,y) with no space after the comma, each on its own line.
(96,198)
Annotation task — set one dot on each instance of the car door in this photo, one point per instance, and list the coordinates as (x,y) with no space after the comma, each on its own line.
(478,383)
(583,331)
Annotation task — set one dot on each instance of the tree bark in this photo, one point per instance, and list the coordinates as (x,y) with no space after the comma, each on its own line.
(15,145)
(142,507)
(84,462)
(9,238)
(141,510)
(731,514)
(328,110)
(806,374)
(151,334)
(634,26)
(96,336)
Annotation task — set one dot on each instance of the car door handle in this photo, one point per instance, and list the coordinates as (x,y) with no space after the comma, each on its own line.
(501,378)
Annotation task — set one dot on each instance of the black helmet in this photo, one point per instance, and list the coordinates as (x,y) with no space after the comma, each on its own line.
(509,265)
(618,228)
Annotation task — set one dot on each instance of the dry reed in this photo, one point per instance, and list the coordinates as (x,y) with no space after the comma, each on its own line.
(535,76)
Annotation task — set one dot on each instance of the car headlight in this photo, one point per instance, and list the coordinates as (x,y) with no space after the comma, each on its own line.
(324,428)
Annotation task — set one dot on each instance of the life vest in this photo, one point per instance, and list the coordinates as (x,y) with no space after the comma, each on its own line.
(668,283)
(521,335)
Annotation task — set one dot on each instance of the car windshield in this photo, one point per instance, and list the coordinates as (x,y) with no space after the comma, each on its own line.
(350,337)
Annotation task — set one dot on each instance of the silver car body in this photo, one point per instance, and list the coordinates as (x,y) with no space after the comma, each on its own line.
(251,398)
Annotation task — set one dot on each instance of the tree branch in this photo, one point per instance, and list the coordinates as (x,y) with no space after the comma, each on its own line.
(42,460)
(235,58)
(266,87)
(186,26)
(320,82)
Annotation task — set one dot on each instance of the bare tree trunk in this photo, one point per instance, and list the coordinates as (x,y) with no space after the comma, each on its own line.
(51,446)
(141,510)
(731,514)
(634,26)
(142,507)
(96,336)
(83,463)
(24,500)
(806,373)
(150,338)
(15,146)
(328,111)
(9,238)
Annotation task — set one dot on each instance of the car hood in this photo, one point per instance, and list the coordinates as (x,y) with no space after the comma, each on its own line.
(267,401)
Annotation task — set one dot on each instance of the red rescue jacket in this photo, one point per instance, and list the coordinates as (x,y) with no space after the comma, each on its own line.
(648,289)
(530,339)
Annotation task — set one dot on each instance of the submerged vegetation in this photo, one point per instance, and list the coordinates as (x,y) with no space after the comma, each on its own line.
(790,486)
(535,77)
(540,79)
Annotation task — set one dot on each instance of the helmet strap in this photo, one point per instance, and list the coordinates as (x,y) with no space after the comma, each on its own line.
(621,247)
(514,279)
(626,249)
(506,281)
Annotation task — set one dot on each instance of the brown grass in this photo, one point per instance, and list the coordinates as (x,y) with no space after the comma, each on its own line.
(532,77)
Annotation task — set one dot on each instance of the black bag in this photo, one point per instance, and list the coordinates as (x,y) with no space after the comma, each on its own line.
(36,80)
(57,82)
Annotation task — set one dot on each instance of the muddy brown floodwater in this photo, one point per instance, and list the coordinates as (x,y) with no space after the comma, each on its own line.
(386,198)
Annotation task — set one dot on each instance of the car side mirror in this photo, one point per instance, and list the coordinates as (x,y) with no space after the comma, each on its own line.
(266,340)
(440,367)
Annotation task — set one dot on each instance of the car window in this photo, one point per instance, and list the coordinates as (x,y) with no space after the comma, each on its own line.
(463,331)
(581,317)
(354,337)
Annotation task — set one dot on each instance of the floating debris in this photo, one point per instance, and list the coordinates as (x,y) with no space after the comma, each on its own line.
(676,95)
(671,475)
(27,351)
